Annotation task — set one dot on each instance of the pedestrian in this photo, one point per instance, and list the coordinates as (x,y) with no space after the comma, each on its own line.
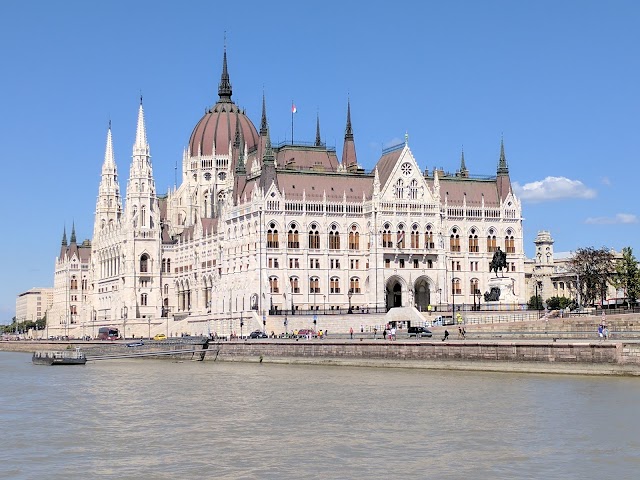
(361,328)
(600,332)
(384,333)
(393,333)
(464,333)
(446,335)
(459,332)
(375,332)
(351,332)
(605,332)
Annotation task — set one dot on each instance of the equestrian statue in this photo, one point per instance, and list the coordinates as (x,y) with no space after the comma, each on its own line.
(499,262)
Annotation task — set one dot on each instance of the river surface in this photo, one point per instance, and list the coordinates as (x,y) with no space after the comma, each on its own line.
(161,419)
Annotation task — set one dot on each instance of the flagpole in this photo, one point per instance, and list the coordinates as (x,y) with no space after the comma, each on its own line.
(292,112)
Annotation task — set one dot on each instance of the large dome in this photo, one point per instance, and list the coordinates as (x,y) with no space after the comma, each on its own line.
(218,126)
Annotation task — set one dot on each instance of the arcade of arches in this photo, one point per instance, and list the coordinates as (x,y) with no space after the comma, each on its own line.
(398,294)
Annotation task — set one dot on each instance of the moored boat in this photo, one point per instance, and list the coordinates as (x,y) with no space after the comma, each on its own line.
(66,357)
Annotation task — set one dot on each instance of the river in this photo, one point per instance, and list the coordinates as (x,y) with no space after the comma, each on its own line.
(162,419)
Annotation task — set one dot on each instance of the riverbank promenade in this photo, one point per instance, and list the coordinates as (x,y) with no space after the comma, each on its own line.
(561,345)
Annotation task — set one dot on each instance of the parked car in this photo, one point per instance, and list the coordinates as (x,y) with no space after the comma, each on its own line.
(135,344)
(419,332)
(258,334)
(160,336)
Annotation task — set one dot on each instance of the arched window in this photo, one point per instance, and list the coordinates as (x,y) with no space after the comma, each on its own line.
(166,289)
(454,241)
(457,290)
(354,284)
(386,236)
(492,245)
(273,285)
(334,238)
(143,299)
(413,189)
(474,246)
(314,285)
(168,265)
(400,242)
(293,240)
(143,216)
(334,285)
(272,236)
(399,189)
(509,243)
(415,236)
(314,237)
(295,284)
(144,263)
(354,238)
(474,286)
(428,238)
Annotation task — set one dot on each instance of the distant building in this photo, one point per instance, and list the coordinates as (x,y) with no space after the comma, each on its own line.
(548,274)
(33,304)
(255,230)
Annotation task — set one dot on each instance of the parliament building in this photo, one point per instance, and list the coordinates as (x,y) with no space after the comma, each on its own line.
(257,231)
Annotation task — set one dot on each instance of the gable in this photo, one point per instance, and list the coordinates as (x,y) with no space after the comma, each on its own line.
(404,181)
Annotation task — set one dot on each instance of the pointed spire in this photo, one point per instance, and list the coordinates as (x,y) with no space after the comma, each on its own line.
(109,161)
(348,133)
(236,138)
(318,140)
(263,122)
(224,88)
(73,233)
(268,156)
(349,158)
(240,166)
(64,237)
(141,131)
(503,169)
(463,167)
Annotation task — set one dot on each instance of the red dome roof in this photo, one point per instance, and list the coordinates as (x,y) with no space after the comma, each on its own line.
(218,126)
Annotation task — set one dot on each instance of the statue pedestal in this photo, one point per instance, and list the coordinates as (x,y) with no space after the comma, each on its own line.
(505,284)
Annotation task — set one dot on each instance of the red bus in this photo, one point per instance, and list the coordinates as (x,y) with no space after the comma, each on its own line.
(108,333)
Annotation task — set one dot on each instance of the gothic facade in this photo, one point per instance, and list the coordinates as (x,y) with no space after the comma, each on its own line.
(255,230)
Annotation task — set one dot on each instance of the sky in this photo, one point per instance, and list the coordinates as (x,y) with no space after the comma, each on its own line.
(557,80)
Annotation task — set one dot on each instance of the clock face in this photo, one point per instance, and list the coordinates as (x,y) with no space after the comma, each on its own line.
(406,168)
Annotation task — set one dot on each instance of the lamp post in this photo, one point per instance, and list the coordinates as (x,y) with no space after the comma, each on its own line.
(537,301)
(149,325)
(286,323)
(350,294)
(241,324)
(440,293)
(453,298)
(124,313)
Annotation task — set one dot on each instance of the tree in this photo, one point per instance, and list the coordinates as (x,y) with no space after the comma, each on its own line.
(595,268)
(560,303)
(535,302)
(628,275)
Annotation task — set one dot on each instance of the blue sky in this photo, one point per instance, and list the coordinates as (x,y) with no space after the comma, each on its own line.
(558,79)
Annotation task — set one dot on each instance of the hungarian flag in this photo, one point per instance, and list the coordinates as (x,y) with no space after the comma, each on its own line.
(293,108)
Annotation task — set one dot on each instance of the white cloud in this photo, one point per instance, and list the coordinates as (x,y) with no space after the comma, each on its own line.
(553,188)
(606,181)
(618,218)
(393,142)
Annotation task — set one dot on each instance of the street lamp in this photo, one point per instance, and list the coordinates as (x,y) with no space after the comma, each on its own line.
(149,325)
(286,323)
(453,296)
(241,324)
(124,312)
(350,294)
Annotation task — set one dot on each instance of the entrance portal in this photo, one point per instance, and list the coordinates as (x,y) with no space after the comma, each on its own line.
(423,295)
(394,295)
